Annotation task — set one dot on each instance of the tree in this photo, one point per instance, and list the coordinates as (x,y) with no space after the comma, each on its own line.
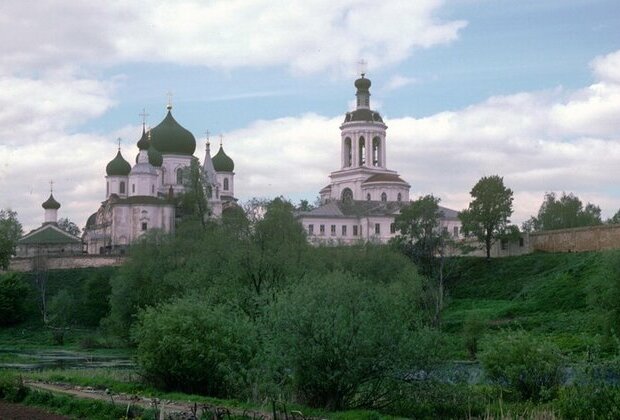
(69,227)
(487,216)
(13,295)
(193,201)
(615,219)
(10,232)
(565,212)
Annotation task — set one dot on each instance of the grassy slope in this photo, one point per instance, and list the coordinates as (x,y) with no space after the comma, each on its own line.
(553,295)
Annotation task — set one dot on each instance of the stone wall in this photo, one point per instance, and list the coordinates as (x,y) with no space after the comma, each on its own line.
(590,238)
(68,262)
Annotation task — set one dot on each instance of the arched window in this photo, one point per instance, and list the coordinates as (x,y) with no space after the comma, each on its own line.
(107,189)
(399,197)
(347,195)
(163,175)
(362,151)
(368,197)
(383,196)
(348,152)
(152,189)
(209,191)
(121,188)
(133,188)
(376,151)
(179,176)
(225,184)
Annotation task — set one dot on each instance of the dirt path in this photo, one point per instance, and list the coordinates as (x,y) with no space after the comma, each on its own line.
(171,409)
(11,411)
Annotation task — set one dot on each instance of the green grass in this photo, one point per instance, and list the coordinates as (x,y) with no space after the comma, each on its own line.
(556,296)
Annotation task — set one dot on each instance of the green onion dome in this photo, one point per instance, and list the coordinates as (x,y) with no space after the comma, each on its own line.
(169,137)
(155,158)
(143,143)
(222,163)
(362,84)
(51,203)
(118,166)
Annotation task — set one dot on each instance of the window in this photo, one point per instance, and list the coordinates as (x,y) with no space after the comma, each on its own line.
(347,195)
(376,154)
(133,188)
(144,226)
(354,230)
(179,176)
(455,231)
(311,229)
(152,189)
(377,228)
(368,197)
(444,230)
(362,151)
(521,242)
(333,230)
(225,184)
(107,189)
(383,196)
(399,197)
(163,175)
(344,230)
(393,228)
(121,188)
(502,244)
(348,156)
(322,229)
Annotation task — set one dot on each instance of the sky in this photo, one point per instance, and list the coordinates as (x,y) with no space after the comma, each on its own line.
(527,90)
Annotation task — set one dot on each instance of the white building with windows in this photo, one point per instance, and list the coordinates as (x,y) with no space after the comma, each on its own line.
(141,198)
(364,196)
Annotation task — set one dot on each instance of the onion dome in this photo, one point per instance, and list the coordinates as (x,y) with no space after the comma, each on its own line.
(51,203)
(118,166)
(143,143)
(221,161)
(169,137)
(362,83)
(155,158)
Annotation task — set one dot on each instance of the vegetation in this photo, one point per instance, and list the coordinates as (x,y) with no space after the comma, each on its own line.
(487,216)
(68,226)
(10,232)
(564,212)
(13,294)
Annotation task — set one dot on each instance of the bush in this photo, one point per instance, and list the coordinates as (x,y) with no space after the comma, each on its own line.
(12,387)
(189,346)
(589,402)
(13,294)
(532,367)
(474,327)
(341,342)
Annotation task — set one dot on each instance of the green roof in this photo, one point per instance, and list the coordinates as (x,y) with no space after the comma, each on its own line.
(143,143)
(118,166)
(51,203)
(221,161)
(49,234)
(363,114)
(170,137)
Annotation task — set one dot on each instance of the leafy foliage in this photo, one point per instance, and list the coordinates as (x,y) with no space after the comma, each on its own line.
(487,216)
(10,232)
(193,202)
(69,227)
(13,293)
(564,212)
(193,347)
(531,367)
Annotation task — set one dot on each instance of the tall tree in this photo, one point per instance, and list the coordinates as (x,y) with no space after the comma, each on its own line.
(69,227)
(487,216)
(564,212)
(193,201)
(10,232)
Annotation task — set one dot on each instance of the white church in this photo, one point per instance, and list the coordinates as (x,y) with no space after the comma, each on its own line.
(364,196)
(140,198)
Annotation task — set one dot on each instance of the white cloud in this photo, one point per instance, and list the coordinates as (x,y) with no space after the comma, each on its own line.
(398,81)
(538,141)
(607,67)
(306,36)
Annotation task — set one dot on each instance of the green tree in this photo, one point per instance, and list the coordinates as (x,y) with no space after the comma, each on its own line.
(487,216)
(10,232)
(615,219)
(564,212)
(194,201)
(69,227)
(194,347)
(341,342)
(13,295)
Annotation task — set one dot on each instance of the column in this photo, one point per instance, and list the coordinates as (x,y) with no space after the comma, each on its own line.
(383,152)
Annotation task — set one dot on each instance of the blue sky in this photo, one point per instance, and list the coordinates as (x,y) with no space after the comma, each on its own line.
(526,89)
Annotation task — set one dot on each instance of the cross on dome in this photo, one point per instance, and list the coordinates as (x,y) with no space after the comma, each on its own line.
(362,67)
(143,114)
(51,186)
(169,95)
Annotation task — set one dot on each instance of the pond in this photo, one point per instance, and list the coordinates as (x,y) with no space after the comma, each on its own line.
(38,359)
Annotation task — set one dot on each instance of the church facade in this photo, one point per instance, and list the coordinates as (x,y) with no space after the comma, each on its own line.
(141,197)
(364,196)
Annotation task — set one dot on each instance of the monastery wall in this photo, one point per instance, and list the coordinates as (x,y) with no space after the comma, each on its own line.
(68,262)
(590,238)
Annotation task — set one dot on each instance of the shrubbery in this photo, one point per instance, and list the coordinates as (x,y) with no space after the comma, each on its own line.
(531,367)
(194,347)
(13,294)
